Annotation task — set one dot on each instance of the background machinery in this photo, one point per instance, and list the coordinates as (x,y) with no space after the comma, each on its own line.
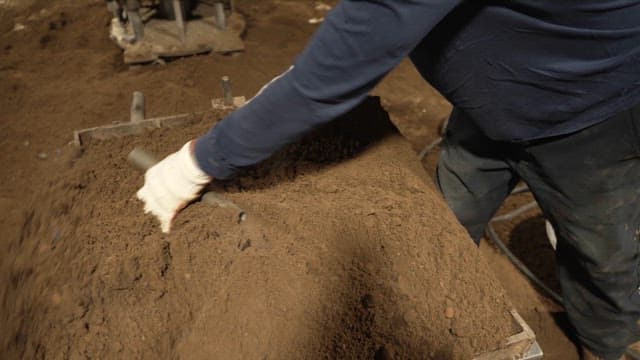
(153,30)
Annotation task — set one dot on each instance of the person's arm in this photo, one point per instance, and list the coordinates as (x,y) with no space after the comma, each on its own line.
(357,45)
(359,42)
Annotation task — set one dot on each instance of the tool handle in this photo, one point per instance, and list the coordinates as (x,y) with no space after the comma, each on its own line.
(143,160)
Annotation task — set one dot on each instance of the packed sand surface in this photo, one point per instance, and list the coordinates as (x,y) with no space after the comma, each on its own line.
(346,253)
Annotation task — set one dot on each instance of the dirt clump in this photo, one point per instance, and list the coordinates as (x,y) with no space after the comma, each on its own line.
(348,252)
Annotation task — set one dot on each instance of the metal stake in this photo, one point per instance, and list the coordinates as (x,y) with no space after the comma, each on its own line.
(226,91)
(137,106)
(221,18)
(177,10)
(133,13)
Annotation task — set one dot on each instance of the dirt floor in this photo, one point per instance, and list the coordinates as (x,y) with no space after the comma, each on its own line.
(86,275)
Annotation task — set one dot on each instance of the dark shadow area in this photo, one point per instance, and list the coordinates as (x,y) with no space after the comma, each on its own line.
(337,141)
(367,321)
(562,320)
(528,241)
(166,11)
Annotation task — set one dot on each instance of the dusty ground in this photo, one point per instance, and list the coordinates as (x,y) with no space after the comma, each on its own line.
(60,73)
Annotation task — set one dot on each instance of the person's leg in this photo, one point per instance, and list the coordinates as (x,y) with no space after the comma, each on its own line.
(472,175)
(588,184)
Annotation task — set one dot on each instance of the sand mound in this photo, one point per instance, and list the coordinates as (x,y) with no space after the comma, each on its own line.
(348,252)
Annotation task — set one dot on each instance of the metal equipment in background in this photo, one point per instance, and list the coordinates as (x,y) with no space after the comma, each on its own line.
(153,30)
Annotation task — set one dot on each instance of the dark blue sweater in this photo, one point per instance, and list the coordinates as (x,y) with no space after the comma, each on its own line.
(522,70)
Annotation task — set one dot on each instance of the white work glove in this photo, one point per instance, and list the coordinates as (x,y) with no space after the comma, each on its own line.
(171,184)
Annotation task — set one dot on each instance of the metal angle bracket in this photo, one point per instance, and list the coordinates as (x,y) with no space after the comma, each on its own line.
(521,346)
(535,353)
(139,124)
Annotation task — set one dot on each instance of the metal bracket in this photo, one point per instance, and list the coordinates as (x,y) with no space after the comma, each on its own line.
(521,346)
(138,124)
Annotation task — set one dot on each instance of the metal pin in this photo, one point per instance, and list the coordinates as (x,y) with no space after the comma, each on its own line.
(138,27)
(141,159)
(221,18)
(226,91)
(177,10)
(137,107)
(133,13)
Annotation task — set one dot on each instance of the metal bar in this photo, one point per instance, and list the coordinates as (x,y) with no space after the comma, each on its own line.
(138,26)
(133,14)
(227,95)
(141,159)
(221,18)
(81,137)
(137,106)
(177,10)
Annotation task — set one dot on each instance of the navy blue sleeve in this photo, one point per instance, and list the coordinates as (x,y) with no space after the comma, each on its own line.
(357,45)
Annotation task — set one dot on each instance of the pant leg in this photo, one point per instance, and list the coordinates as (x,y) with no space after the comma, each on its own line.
(472,175)
(588,185)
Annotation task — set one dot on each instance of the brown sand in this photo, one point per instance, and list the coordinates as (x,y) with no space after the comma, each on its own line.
(339,259)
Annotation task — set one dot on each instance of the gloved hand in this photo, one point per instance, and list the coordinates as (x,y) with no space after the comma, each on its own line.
(171,184)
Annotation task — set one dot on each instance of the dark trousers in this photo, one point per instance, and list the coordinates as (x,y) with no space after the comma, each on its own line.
(588,186)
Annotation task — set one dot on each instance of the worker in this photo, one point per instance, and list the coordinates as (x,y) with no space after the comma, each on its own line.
(544,91)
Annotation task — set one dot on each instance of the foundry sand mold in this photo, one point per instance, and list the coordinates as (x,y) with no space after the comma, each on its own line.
(348,252)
